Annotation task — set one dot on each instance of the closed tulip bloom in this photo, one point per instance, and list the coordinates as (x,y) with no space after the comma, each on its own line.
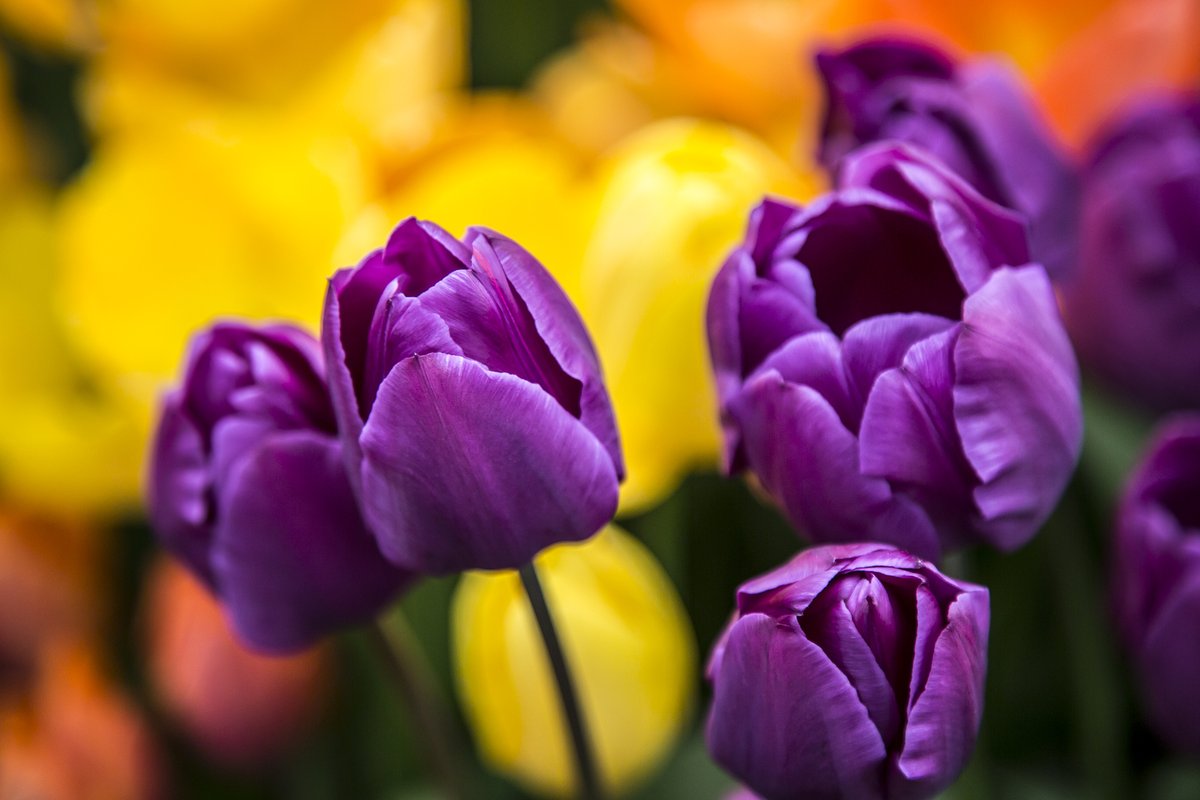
(1134,308)
(890,364)
(627,639)
(248,488)
(470,400)
(853,671)
(1156,580)
(976,118)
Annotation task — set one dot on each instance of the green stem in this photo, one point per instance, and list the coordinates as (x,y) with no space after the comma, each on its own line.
(585,764)
(1099,711)
(393,642)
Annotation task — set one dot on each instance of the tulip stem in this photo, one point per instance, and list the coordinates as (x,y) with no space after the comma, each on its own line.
(416,688)
(585,764)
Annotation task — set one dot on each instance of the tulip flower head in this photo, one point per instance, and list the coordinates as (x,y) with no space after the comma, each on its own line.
(476,423)
(1134,308)
(248,488)
(1156,580)
(976,118)
(853,671)
(892,366)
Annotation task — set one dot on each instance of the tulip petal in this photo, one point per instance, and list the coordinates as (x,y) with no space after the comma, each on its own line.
(469,469)
(908,436)
(342,392)
(815,360)
(1016,402)
(1036,177)
(757,706)
(944,719)
(291,558)
(804,456)
(1167,662)
(560,327)
(829,624)
(879,344)
(178,486)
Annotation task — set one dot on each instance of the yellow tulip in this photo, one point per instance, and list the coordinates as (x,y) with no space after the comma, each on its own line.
(162,235)
(627,640)
(370,68)
(666,208)
(66,445)
(493,163)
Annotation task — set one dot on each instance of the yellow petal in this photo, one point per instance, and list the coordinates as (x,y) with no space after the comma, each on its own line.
(628,642)
(666,208)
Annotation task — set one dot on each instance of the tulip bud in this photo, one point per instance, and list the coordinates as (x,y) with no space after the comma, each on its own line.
(976,118)
(248,488)
(1134,308)
(666,206)
(627,641)
(891,367)
(1156,580)
(474,416)
(852,671)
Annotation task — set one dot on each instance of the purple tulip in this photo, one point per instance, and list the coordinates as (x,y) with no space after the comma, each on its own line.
(976,118)
(247,486)
(1134,308)
(891,367)
(476,422)
(853,671)
(1156,580)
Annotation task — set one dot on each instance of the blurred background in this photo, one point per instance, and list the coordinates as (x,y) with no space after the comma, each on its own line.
(164,163)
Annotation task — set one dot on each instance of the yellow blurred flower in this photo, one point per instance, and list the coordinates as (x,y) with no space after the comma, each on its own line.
(493,162)
(66,444)
(56,24)
(665,209)
(373,69)
(626,638)
(163,234)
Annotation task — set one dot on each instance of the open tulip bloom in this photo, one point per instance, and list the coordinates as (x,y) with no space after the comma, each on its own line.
(891,365)
(853,671)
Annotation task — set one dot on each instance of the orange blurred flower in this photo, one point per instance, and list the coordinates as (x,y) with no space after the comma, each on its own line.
(242,709)
(77,738)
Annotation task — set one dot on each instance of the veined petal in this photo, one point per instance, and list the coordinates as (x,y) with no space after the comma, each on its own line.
(469,469)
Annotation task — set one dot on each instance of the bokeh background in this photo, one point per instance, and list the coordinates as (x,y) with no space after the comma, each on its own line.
(164,163)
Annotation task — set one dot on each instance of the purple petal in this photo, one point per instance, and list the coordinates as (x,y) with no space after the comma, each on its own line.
(774,683)
(830,622)
(908,435)
(1016,402)
(944,719)
(1167,664)
(291,558)
(807,459)
(469,469)
(879,344)
(1037,178)
(559,326)
(178,488)
(815,360)
(341,382)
